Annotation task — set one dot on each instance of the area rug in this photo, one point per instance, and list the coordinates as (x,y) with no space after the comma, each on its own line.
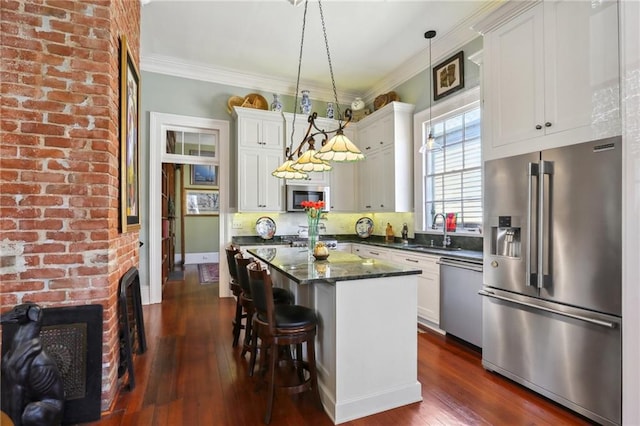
(208,273)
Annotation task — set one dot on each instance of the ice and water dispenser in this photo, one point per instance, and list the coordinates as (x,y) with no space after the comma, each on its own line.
(505,236)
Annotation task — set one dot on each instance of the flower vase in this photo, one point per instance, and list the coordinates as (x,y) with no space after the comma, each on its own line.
(313,236)
(305,103)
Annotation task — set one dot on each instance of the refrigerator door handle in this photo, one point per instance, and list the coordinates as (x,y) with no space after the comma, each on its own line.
(533,174)
(607,324)
(545,168)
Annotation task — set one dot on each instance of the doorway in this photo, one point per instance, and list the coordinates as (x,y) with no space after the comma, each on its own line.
(202,144)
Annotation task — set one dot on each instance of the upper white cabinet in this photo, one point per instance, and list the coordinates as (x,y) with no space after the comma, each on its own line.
(551,76)
(385,177)
(260,150)
(343,178)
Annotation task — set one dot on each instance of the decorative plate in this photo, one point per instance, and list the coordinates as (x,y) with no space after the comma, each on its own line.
(364,227)
(266,227)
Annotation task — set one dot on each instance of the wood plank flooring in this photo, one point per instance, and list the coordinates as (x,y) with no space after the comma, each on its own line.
(190,375)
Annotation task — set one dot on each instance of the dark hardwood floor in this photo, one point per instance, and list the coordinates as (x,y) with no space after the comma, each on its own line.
(190,375)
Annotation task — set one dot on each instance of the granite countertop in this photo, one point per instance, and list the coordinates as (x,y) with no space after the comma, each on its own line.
(285,240)
(294,263)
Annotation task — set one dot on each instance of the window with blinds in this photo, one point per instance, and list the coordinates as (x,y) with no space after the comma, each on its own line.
(453,174)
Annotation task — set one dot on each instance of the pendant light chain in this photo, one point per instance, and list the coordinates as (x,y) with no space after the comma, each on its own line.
(326,43)
(295,102)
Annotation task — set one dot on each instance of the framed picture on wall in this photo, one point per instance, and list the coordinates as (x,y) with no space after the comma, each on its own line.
(202,202)
(204,175)
(129,134)
(448,76)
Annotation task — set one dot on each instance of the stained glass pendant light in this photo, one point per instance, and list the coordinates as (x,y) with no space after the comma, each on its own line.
(338,148)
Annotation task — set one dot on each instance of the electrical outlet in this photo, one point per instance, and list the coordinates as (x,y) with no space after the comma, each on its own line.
(237,225)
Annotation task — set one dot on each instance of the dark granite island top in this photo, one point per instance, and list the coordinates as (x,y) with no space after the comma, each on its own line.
(294,262)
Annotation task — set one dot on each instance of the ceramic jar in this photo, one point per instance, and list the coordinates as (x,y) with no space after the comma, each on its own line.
(330,112)
(276,105)
(305,103)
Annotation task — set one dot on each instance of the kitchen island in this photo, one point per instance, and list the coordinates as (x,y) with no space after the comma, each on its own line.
(366,346)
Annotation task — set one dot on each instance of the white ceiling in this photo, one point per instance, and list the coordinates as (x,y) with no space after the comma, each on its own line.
(373,43)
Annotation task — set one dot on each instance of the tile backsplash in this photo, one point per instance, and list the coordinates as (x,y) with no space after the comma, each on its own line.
(244,224)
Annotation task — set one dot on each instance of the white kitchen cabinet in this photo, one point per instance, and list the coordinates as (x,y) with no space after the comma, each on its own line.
(345,247)
(343,181)
(551,76)
(385,177)
(371,252)
(428,285)
(259,128)
(260,150)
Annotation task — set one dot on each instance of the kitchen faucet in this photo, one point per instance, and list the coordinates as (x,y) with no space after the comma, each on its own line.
(446,240)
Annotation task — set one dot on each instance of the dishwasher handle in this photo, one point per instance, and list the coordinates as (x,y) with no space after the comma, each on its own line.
(460,264)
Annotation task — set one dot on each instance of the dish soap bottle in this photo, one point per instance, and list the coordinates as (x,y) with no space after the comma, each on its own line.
(389,233)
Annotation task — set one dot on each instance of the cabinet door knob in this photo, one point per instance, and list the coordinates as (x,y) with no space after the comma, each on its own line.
(538,127)
(547,124)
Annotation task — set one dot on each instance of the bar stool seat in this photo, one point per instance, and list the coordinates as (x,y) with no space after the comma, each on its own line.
(279,326)
(281,296)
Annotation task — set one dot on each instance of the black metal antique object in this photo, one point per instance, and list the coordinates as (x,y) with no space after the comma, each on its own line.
(32,388)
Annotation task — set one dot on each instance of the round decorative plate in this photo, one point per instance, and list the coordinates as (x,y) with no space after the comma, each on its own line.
(364,227)
(266,227)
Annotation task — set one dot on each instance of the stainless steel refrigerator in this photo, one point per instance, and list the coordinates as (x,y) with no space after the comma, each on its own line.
(552,305)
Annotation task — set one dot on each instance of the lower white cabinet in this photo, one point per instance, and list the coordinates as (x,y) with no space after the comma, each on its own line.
(372,252)
(428,285)
(346,247)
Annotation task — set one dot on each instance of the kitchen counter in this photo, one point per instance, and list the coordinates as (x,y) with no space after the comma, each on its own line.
(284,240)
(367,350)
(294,263)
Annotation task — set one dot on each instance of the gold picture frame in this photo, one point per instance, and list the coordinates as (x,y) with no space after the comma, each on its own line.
(129,140)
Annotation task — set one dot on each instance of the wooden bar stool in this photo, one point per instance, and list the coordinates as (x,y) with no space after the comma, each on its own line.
(278,326)
(231,251)
(281,296)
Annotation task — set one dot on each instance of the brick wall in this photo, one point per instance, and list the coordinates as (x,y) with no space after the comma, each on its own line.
(59,158)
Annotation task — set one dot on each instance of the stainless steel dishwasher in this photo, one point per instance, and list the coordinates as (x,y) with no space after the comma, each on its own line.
(460,303)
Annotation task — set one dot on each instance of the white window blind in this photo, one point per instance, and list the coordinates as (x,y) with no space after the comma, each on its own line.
(453,174)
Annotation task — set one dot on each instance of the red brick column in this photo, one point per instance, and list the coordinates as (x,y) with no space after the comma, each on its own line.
(60,242)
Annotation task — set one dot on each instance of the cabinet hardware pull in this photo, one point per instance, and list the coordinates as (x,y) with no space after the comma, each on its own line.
(411,260)
(538,127)
(547,124)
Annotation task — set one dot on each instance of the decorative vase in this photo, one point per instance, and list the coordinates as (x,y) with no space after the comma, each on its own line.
(357,104)
(276,105)
(313,236)
(330,111)
(305,103)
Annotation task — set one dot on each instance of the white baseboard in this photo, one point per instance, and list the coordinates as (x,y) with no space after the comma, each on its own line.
(195,258)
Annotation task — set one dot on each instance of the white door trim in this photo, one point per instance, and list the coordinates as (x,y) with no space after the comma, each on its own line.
(157,140)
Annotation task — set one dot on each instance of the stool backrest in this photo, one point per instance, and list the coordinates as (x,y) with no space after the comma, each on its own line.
(243,275)
(262,294)
(231,252)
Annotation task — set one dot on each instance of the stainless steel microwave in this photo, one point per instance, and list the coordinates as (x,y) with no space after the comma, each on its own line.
(296,194)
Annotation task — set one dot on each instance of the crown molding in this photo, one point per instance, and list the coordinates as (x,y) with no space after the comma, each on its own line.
(237,78)
(442,46)
(502,14)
